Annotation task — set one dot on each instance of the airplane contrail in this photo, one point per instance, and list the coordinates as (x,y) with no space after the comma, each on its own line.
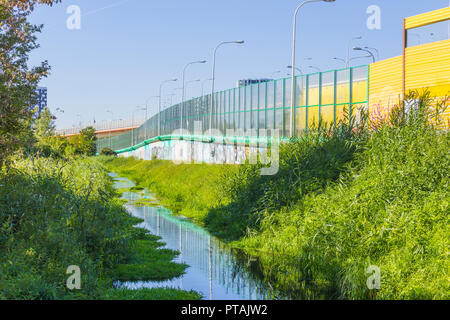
(104,8)
(89,13)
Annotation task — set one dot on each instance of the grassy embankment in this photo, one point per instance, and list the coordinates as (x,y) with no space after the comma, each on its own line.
(339,204)
(58,213)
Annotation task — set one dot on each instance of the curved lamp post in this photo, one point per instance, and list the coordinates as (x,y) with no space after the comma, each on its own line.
(160,95)
(203,85)
(192,81)
(354,58)
(80,123)
(184,92)
(112,117)
(214,77)
(294,34)
(374,49)
(365,50)
(276,72)
(138,108)
(146,113)
(297,69)
(171,98)
(315,68)
(340,59)
(347,64)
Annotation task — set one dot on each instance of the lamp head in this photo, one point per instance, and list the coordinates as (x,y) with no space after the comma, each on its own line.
(329,0)
(357,48)
(240,41)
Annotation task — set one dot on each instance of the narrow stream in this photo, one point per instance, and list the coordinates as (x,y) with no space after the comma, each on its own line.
(213,270)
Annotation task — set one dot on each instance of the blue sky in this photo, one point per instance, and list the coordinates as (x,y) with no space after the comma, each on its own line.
(120,55)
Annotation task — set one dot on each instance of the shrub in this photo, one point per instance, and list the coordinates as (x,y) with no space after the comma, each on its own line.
(105,151)
(341,202)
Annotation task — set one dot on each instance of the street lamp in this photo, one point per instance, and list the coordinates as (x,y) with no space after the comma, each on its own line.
(374,49)
(171,98)
(354,58)
(203,85)
(160,95)
(146,113)
(348,49)
(368,51)
(146,105)
(183,94)
(294,33)
(138,108)
(315,68)
(340,59)
(175,91)
(214,76)
(112,116)
(182,105)
(276,72)
(80,120)
(296,68)
(192,81)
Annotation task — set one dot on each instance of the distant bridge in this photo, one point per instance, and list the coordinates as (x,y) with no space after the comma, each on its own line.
(105,129)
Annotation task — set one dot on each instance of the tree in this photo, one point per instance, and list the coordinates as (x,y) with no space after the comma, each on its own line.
(89,141)
(26,5)
(82,144)
(44,125)
(18,82)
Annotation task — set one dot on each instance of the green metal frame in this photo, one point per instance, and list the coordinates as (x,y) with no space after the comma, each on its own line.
(231,107)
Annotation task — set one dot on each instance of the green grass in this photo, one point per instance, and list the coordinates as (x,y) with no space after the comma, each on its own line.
(185,189)
(147,262)
(58,213)
(146,203)
(152,294)
(340,203)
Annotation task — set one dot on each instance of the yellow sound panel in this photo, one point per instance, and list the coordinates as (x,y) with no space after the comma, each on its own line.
(385,85)
(427,18)
(428,66)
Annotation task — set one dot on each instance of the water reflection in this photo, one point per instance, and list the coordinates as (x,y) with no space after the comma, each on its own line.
(214,270)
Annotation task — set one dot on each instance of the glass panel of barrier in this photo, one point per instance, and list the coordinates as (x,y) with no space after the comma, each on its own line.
(300,121)
(359,84)
(343,86)
(313,93)
(262,105)
(327,115)
(426,34)
(327,88)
